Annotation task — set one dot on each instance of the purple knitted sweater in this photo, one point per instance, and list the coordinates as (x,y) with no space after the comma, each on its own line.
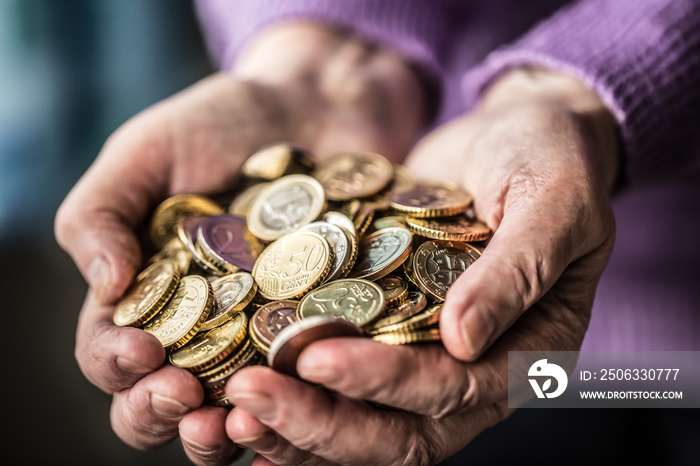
(641,56)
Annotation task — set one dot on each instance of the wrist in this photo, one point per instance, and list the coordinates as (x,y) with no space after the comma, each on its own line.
(331,81)
(532,86)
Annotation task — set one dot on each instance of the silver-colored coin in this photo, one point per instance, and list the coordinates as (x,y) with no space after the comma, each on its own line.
(339,243)
(382,252)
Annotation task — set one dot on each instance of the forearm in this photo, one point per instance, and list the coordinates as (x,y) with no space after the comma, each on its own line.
(642,58)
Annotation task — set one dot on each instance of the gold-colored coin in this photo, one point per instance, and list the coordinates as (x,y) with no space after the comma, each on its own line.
(148,294)
(395,289)
(418,336)
(241,204)
(215,388)
(232,293)
(225,367)
(431,199)
(458,228)
(292,265)
(437,264)
(173,210)
(359,301)
(176,251)
(403,179)
(414,303)
(187,231)
(382,252)
(184,314)
(354,175)
(424,319)
(363,220)
(284,206)
(276,160)
(207,349)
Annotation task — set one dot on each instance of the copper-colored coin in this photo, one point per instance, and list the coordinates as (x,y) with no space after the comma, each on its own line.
(359,301)
(292,340)
(148,294)
(424,319)
(276,160)
(382,252)
(209,348)
(269,320)
(292,265)
(232,293)
(353,175)
(414,303)
(284,206)
(241,204)
(176,251)
(457,228)
(431,199)
(418,336)
(395,289)
(186,311)
(437,264)
(172,210)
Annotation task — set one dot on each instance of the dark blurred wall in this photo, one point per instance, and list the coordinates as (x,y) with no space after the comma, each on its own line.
(71,71)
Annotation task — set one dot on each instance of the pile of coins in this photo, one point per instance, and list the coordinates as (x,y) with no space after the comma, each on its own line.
(353,246)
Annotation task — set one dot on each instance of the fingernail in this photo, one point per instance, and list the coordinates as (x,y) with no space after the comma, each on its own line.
(263,442)
(311,370)
(198,447)
(131,366)
(476,332)
(98,276)
(167,407)
(256,404)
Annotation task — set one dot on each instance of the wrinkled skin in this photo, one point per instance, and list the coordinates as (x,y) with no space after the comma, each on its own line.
(538,155)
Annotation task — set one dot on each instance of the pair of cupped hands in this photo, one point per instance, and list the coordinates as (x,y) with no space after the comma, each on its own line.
(538,154)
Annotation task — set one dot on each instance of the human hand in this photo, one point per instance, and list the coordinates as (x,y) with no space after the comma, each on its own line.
(328,93)
(538,155)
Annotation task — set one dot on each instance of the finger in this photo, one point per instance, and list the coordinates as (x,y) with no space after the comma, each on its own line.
(245,430)
(95,223)
(423,379)
(204,439)
(311,419)
(147,415)
(113,358)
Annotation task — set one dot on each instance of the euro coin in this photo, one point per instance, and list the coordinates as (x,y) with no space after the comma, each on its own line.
(286,348)
(186,311)
(359,301)
(354,175)
(395,289)
(284,206)
(437,264)
(457,228)
(339,243)
(414,303)
(431,199)
(232,293)
(292,265)
(276,160)
(418,336)
(173,210)
(208,348)
(382,252)
(269,320)
(148,294)
(226,242)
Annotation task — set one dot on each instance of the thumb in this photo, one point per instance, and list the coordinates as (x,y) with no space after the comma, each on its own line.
(101,244)
(521,262)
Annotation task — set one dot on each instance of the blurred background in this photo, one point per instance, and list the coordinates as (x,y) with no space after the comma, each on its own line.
(71,71)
